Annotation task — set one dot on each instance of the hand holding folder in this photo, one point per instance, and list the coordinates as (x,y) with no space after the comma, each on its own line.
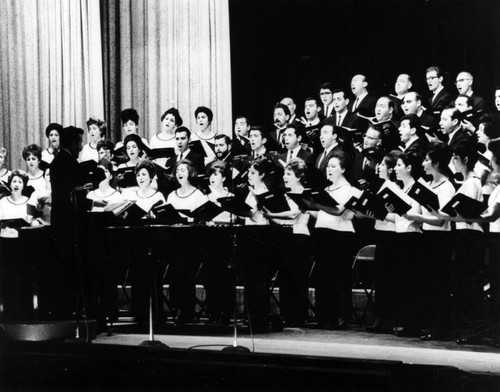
(424,196)
(392,198)
(464,206)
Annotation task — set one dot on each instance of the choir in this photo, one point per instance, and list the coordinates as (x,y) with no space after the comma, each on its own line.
(417,177)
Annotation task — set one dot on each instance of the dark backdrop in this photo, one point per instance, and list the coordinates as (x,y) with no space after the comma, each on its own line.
(281,48)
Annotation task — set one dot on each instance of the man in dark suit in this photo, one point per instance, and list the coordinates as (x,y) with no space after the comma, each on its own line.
(326,96)
(469,118)
(366,160)
(412,104)
(342,117)
(281,116)
(223,148)
(293,137)
(312,124)
(411,134)
(464,83)
(440,98)
(292,108)
(362,100)
(182,138)
(450,126)
(241,144)
(329,142)
(401,87)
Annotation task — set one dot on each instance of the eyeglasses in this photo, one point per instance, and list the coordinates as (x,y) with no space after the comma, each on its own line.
(431,78)
(461,80)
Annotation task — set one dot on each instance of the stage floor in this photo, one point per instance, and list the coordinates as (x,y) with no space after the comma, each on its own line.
(352,344)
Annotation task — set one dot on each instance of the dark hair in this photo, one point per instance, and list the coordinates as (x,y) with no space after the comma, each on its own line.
(315,99)
(297,130)
(455,113)
(494,147)
(70,135)
(106,144)
(32,149)
(148,165)
(440,155)
(259,129)
(129,114)
(245,117)
(414,122)
(466,149)
(174,112)
(53,127)
(136,139)
(390,102)
(413,159)
(342,157)
(339,90)
(192,173)
(285,108)
(100,124)
(298,167)
(390,160)
(107,165)
(226,138)
(327,86)
(436,69)
(262,165)
(218,167)
(491,124)
(183,129)
(22,175)
(207,111)
(470,101)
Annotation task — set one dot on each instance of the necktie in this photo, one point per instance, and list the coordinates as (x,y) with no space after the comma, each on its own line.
(290,156)
(339,118)
(179,157)
(355,106)
(323,156)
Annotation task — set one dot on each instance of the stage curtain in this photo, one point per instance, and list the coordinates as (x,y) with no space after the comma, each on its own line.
(160,54)
(50,69)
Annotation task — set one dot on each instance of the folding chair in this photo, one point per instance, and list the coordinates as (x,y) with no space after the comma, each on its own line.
(362,272)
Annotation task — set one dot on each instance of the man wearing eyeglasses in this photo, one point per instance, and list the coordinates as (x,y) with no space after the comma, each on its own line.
(440,98)
(464,86)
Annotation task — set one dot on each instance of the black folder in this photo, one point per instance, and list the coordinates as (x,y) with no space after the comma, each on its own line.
(465,206)
(14,223)
(235,206)
(91,173)
(128,178)
(424,196)
(368,203)
(401,207)
(4,189)
(206,212)
(484,160)
(197,147)
(132,213)
(298,198)
(167,152)
(167,214)
(273,201)
(320,196)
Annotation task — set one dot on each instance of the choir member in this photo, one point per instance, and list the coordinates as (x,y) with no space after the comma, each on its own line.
(408,245)
(204,133)
(134,148)
(241,144)
(185,257)
(105,192)
(294,267)
(53,133)
(32,154)
(217,173)
(334,242)
(468,248)
(4,171)
(492,216)
(437,253)
(15,206)
(363,102)
(145,195)
(385,260)
(440,98)
(96,131)
(130,126)
(170,120)
(464,83)
(326,96)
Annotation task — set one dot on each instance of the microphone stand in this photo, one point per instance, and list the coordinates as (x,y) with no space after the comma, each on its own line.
(235,348)
(151,342)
